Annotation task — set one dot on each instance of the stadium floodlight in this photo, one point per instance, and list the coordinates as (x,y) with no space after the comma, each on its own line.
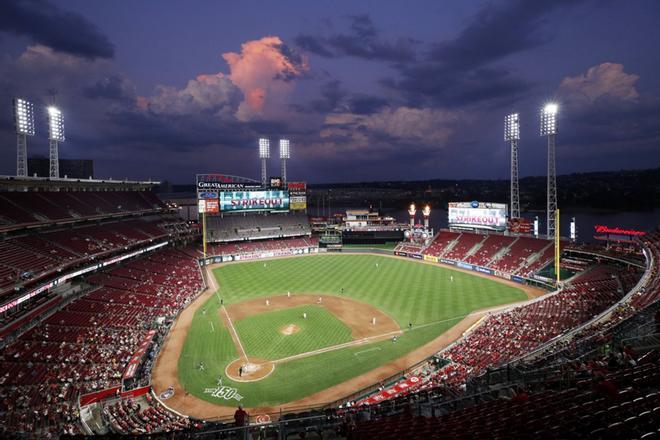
(512,135)
(549,129)
(549,119)
(264,155)
(512,127)
(55,135)
(285,149)
(264,148)
(24,117)
(285,154)
(55,124)
(24,122)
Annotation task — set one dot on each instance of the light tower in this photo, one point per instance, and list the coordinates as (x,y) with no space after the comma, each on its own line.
(512,135)
(24,121)
(264,155)
(427,213)
(55,135)
(549,130)
(285,154)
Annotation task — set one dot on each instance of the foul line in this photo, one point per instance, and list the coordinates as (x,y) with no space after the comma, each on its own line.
(212,328)
(337,347)
(367,351)
(382,336)
(235,334)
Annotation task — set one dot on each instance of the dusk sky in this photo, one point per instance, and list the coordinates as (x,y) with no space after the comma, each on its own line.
(365,90)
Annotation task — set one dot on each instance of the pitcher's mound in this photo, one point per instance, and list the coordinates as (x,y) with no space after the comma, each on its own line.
(256,369)
(289,329)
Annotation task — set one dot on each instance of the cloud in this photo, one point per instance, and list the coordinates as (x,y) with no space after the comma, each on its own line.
(496,32)
(210,94)
(429,84)
(264,70)
(113,87)
(46,24)
(606,81)
(362,41)
(461,71)
(390,127)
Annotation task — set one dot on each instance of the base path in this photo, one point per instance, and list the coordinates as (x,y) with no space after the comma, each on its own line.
(165,372)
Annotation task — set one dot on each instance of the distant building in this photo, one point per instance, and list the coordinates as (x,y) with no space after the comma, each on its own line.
(72,168)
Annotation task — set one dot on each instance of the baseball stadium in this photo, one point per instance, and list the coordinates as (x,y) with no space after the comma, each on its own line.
(291,285)
(237,313)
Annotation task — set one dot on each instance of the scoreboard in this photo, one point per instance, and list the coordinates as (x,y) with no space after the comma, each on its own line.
(478,215)
(244,201)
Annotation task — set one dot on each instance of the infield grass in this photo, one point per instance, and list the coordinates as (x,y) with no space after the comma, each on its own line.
(262,337)
(406,290)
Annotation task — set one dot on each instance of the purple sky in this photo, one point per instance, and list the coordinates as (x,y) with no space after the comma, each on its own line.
(365,90)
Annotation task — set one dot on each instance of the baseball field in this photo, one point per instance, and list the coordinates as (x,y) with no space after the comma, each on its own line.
(279,331)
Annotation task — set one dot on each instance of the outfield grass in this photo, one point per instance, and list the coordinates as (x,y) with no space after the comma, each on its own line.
(407,290)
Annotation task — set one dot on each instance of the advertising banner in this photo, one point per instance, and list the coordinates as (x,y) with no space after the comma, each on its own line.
(393,391)
(517,279)
(415,256)
(297,188)
(135,360)
(464,265)
(207,195)
(209,206)
(401,254)
(242,201)
(298,206)
(483,270)
(209,182)
(432,258)
(445,261)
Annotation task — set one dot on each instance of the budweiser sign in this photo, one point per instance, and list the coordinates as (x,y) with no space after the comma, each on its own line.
(600,229)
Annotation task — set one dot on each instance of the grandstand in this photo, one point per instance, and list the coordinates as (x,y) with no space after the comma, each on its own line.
(92,279)
(231,228)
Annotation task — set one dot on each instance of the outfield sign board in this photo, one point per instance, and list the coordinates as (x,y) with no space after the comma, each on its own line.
(478,215)
(209,206)
(243,201)
(298,193)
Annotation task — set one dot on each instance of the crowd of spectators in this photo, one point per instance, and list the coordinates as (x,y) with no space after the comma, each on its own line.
(127,416)
(35,256)
(86,345)
(252,247)
(509,254)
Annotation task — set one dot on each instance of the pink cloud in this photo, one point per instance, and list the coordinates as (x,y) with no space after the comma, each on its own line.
(264,70)
(603,81)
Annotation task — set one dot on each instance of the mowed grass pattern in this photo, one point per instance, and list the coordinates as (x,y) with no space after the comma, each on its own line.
(261,336)
(407,290)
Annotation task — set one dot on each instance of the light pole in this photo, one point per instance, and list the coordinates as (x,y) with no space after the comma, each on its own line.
(264,155)
(24,122)
(285,154)
(55,135)
(549,130)
(512,135)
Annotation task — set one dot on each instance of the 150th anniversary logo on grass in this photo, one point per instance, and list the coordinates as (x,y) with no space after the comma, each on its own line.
(222,392)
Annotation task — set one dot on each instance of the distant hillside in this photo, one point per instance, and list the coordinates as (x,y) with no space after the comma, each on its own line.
(637,190)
